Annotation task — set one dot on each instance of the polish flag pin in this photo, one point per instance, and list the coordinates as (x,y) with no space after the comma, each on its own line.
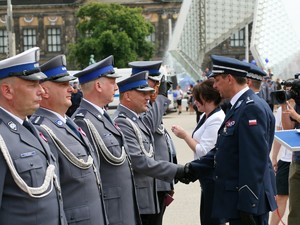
(43,137)
(252,122)
(81,131)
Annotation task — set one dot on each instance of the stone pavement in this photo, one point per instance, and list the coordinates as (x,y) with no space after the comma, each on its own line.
(184,210)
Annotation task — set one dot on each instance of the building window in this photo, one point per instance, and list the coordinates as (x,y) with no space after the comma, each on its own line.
(54,39)
(151,38)
(3,41)
(29,38)
(238,39)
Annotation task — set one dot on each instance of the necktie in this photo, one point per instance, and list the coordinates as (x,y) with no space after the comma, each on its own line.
(72,127)
(28,126)
(107,117)
(228,108)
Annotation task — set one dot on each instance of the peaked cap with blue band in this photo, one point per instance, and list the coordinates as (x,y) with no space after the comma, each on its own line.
(138,82)
(103,68)
(24,65)
(255,72)
(151,66)
(226,65)
(55,70)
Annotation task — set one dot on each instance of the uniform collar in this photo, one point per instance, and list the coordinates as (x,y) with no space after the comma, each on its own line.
(63,119)
(95,106)
(134,113)
(14,116)
(238,95)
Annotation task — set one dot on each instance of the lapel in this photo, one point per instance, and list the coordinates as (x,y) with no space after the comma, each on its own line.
(24,134)
(128,113)
(84,105)
(237,104)
(58,123)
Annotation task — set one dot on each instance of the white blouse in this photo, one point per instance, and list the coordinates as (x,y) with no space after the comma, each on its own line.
(207,134)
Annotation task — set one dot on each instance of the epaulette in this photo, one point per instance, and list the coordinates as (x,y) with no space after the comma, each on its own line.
(249,100)
(37,120)
(122,115)
(80,114)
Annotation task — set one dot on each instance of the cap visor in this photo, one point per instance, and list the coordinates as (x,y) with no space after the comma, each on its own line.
(34,76)
(63,79)
(145,89)
(114,75)
(155,78)
(213,75)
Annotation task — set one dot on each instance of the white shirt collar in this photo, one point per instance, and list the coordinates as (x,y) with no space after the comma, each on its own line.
(238,95)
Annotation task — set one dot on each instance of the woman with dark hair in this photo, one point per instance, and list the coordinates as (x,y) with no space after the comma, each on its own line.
(203,139)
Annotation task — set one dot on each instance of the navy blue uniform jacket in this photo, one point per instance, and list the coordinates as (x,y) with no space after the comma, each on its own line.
(244,180)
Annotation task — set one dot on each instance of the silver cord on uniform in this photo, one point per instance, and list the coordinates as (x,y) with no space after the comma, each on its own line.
(110,158)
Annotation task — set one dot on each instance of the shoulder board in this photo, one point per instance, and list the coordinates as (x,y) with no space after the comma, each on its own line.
(122,115)
(249,100)
(80,114)
(37,120)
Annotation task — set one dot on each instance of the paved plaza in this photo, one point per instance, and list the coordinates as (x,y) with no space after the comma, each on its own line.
(184,210)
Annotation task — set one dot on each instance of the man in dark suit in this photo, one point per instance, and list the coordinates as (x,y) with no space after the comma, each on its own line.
(79,174)
(244,191)
(29,177)
(98,83)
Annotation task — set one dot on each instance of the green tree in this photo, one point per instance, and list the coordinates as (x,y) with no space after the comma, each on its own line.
(111,29)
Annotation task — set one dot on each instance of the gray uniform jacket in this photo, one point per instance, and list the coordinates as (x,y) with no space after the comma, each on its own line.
(145,167)
(162,141)
(118,182)
(30,155)
(81,188)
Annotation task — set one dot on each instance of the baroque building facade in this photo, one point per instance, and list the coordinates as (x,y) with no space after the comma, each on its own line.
(51,25)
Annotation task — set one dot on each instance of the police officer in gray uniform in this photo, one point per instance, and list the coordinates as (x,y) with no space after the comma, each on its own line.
(29,182)
(98,83)
(134,96)
(164,146)
(79,174)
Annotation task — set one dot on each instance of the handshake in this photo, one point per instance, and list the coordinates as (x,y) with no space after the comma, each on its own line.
(185,174)
(197,169)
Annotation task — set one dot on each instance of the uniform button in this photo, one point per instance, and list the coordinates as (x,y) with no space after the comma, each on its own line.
(253,205)
(217,177)
(79,153)
(217,149)
(31,164)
